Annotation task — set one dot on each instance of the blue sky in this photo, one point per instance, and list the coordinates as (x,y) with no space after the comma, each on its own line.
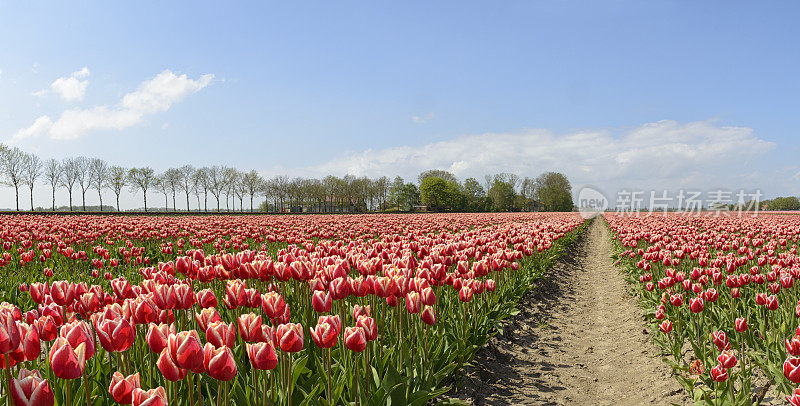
(614,93)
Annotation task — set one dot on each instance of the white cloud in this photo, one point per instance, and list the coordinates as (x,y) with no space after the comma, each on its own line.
(661,154)
(152,96)
(423,118)
(69,88)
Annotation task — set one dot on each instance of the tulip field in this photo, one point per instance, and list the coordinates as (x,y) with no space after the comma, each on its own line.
(721,294)
(324,310)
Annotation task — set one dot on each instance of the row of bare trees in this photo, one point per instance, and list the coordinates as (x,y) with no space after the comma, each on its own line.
(228,187)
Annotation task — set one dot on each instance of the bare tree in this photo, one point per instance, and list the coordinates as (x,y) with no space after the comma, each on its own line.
(230,176)
(12,163)
(202,179)
(142,179)
(215,182)
(98,177)
(117,180)
(69,176)
(173,179)
(186,181)
(32,170)
(52,172)
(82,175)
(252,183)
(160,183)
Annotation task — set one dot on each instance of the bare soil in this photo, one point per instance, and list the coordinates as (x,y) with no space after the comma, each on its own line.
(579,339)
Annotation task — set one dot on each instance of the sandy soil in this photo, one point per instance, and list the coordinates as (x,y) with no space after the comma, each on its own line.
(579,339)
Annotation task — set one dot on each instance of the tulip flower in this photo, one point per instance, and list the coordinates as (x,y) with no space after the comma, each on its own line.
(791,370)
(9,333)
(696,304)
(719,374)
(413,302)
(666,326)
(727,359)
(324,335)
(740,324)
(321,301)
(250,327)
(219,362)
(290,337)
(369,326)
(465,294)
(29,389)
(220,334)
(273,305)
(207,316)
(429,315)
(77,332)
(262,355)
(359,310)
(29,341)
(66,361)
(116,335)
(158,336)
(186,350)
(171,371)
(354,339)
(121,387)
(152,397)
(794,398)
(206,298)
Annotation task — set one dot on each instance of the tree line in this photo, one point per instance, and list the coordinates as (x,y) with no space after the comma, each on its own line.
(227,187)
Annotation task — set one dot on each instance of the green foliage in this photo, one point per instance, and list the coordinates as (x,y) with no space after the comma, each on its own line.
(781,203)
(433,192)
(554,192)
(503,195)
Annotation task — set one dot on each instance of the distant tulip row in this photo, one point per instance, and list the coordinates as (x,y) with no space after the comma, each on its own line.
(723,296)
(393,305)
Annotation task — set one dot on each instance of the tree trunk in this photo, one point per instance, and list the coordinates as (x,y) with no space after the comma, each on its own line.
(251,203)
(54,199)
(16,188)
(70,200)
(83,196)
(100,195)
(187,202)
(174,207)
(144,193)
(31,198)
(117,201)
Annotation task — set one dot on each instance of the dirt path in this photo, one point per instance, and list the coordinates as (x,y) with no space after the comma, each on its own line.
(578,340)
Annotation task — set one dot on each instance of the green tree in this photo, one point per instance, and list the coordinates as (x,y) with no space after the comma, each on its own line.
(502,195)
(409,196)
(436,173)
(474,195)
(433,192)
(396,191)
(554,192)
(782,203)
